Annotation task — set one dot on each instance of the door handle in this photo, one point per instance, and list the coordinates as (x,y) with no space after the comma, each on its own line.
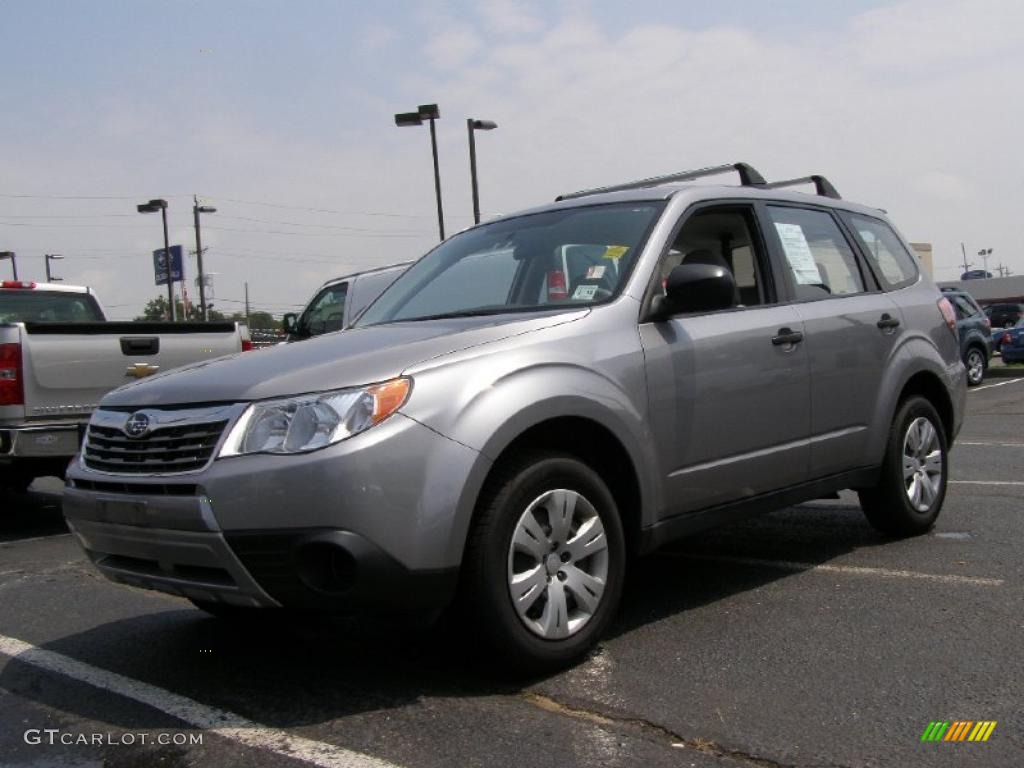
(787,336)
(887,322)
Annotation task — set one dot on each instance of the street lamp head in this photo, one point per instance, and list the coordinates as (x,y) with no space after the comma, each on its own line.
(428,112)
(7,254)
(158,204)
(408,118)
(54,256)
(484,125)
(205,209)
(146,208)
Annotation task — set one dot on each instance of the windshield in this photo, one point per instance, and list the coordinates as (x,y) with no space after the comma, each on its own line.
(31,306)
(565,258)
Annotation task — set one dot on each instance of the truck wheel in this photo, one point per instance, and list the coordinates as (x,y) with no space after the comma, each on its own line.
(975,363)
(13,480)
(544,564)
(912,484)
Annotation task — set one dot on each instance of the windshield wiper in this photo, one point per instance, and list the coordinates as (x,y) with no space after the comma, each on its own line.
(465,313)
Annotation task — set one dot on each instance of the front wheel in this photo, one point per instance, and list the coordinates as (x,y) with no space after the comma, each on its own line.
(544,564)
(912,484)
(975,363)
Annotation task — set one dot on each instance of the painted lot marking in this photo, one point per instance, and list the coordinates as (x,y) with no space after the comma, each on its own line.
(209,719)
(985,482)
(787,565)
(996,445)
(1000,384)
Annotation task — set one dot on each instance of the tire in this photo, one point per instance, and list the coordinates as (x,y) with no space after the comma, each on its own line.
(976,365)
(554,625)
(908,505)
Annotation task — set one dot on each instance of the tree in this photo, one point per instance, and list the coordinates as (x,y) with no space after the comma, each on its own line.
(156,309)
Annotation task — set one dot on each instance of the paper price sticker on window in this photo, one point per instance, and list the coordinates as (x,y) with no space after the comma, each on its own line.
(596,272)
(615,251)
(798,254)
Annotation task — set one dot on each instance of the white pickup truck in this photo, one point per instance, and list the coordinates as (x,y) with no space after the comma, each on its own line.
(59,355)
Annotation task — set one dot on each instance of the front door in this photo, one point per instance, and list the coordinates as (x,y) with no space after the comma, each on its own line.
(728,390)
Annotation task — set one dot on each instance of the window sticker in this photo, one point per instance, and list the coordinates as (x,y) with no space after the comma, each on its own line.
(615,252)
(596,272)
(798,254)
(586,292)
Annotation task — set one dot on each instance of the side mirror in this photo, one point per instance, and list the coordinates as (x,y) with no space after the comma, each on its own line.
(289,323)
(696,288)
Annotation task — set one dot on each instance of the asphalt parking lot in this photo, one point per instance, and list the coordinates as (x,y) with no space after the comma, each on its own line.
(802,638)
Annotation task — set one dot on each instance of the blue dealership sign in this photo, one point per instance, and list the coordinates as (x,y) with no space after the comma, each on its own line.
(160,265)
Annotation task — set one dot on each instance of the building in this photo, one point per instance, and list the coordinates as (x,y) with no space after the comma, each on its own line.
(924,254)
(995,290)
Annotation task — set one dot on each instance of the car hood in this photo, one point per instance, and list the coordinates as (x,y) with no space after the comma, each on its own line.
(348,358)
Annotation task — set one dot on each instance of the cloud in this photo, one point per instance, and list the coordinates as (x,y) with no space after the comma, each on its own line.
(453,47)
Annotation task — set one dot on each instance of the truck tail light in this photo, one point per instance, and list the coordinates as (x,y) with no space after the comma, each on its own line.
(12,387)
(247,345)
(556,285)
(948,314)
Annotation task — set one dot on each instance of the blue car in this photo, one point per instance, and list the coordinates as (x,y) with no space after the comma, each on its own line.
(1011,342)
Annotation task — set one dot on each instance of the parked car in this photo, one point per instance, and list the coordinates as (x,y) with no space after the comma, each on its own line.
(1004,315)
(59,355)
(497,433)
(976,274)
(1012,343)
(975,332)
(339,301)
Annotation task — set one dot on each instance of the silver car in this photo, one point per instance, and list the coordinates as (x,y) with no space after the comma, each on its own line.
(533,401)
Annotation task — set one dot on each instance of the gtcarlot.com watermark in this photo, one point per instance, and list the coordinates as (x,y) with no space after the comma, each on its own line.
(55,736)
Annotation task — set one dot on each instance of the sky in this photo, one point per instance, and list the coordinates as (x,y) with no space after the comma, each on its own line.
(280,114)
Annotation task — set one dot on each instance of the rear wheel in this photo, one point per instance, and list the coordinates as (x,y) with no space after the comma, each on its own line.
(975,363)
(912,484)
(544,564)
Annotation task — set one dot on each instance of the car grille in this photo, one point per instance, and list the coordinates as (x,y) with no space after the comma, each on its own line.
(178,448)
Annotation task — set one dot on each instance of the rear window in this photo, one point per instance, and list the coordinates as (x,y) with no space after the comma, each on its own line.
(32,306)
(891,260)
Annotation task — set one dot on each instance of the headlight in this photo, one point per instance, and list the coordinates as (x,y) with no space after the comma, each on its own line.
(307,422)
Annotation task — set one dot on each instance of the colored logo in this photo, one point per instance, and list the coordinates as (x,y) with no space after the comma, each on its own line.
(959,730)
(137,425)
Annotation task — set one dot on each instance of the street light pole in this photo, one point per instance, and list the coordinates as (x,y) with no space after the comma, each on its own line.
(196,210)
(14,261)
(152,207)
(48,258)
(427,112)
(472,126)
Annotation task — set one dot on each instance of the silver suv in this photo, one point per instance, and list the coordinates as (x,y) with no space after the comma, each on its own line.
(532,402)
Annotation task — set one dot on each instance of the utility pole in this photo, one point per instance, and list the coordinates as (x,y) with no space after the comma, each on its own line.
(1003,271)
(964,252)
(247,304)
(196,210)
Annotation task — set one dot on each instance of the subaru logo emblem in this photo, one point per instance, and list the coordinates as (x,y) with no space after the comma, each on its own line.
(137,425)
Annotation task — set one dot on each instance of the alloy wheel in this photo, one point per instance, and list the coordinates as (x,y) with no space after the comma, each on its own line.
(922,464)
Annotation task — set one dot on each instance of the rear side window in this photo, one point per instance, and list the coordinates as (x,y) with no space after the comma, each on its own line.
(964,306)
(893,263)
(819,258)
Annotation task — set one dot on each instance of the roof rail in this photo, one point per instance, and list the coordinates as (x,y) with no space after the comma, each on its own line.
(748,178)
(822,185)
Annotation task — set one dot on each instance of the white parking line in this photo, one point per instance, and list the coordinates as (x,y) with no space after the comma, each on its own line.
(999,384)
(787,565)
(985,482)
(209,719)
(994,445)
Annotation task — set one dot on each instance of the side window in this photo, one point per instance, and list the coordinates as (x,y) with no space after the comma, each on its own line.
(964,307)
(724,238)
(891,259)
(327,311)
(816,252)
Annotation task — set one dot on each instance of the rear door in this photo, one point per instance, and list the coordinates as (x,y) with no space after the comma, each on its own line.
(852,329)
(728,390)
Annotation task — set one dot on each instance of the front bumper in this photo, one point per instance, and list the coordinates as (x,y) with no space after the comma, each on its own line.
(375,522)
